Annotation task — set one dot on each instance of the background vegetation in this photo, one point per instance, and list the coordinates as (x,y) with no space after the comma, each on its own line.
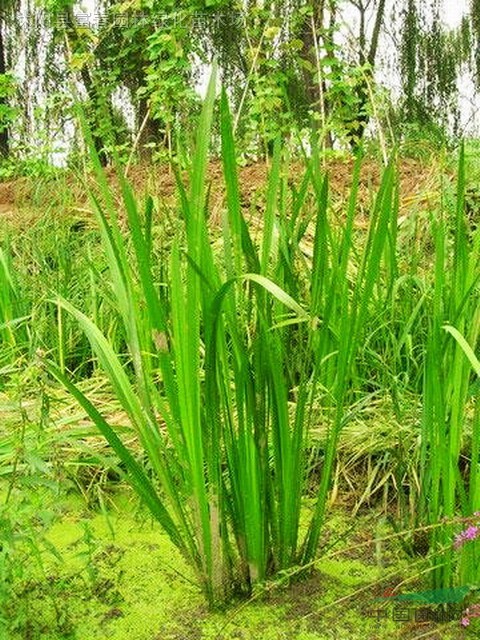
(295,66)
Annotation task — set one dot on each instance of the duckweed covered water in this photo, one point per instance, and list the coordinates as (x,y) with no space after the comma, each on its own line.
(113,574)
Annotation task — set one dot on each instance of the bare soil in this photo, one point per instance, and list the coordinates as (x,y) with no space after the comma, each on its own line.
(23,201)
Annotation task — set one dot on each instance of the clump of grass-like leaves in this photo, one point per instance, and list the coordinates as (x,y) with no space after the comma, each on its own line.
(230,352)
(450,445)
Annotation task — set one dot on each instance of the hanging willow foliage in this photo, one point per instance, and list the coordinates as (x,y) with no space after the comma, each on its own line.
(432,57)
(284,64)
(474,43)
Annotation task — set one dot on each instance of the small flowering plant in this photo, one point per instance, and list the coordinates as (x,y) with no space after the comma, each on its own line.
(470,533)
(473,611)
(467,535)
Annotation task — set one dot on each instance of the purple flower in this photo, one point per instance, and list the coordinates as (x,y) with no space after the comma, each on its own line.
(471,612)
(470,533)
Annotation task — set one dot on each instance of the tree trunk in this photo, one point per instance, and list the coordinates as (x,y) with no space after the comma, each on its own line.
(362,91)
(379,19)
(94,113)
(148,129)
(314,28)
(4,137)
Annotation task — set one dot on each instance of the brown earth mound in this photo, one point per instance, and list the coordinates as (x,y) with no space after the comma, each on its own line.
(24,200)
